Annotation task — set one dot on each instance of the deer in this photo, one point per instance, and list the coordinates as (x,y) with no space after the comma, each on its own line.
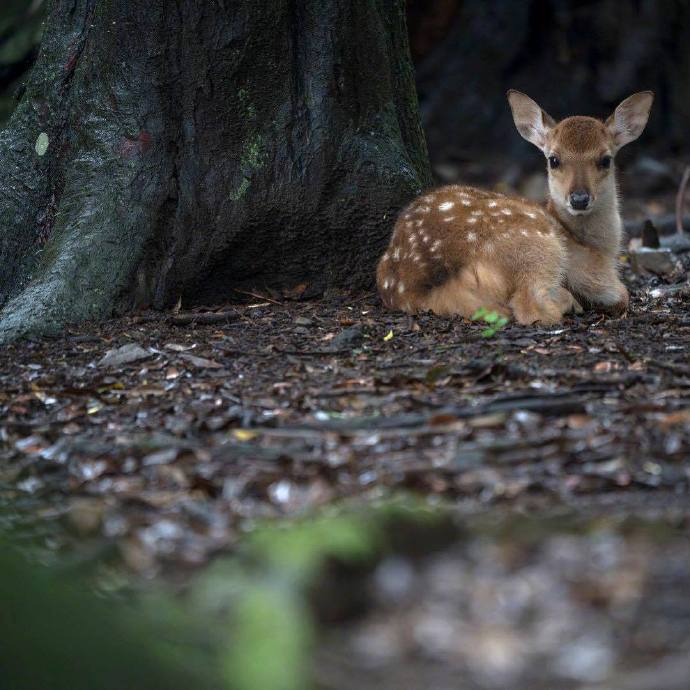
(456,249)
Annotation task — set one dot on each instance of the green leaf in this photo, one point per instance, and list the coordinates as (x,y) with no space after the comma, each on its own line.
(503,321)
(491,317)
(488,333)
(479,314)
(42,144)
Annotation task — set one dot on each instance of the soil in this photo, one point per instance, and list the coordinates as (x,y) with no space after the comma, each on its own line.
(281,407)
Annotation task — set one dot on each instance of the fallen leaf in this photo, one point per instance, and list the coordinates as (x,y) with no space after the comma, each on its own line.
(201,362)
(177,347)
(127,354)
(244,434)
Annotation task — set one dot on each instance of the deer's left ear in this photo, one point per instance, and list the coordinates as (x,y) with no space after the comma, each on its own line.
(630,118)
(533,123)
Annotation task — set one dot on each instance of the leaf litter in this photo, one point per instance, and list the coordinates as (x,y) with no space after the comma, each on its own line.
(165,437)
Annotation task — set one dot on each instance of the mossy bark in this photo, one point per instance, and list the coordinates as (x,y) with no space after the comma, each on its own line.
(199,147)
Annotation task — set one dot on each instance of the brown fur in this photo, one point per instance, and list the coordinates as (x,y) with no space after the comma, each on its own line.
(458,248)
(489,250)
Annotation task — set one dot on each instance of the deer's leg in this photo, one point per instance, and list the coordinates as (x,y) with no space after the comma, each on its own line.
(542,303)
(594,279)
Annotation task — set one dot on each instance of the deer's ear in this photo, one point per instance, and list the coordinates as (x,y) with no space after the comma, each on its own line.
(630,118)
(531,121)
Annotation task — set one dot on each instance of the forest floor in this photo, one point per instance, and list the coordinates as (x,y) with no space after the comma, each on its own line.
(278,409)
(156,441)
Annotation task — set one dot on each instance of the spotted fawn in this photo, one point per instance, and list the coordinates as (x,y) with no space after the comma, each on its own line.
(456,249)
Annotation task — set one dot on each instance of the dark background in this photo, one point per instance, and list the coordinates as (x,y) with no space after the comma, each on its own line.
(572,57)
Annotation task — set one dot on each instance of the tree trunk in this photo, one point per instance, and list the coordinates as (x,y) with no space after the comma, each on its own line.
(195,147)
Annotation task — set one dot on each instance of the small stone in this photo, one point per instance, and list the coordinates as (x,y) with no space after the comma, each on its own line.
(127,354)
(303,321)
(659,261)
(349,338)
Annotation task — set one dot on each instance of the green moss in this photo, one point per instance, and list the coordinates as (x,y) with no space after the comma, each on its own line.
(254,157)
(241,190)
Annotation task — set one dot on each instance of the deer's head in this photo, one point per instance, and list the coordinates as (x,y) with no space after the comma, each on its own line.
(580,150)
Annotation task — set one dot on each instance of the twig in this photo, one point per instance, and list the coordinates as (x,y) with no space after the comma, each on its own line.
(363,297)
(680,197)
(256,295)
(311,353)
(668,366)
(626,353)
(202,317)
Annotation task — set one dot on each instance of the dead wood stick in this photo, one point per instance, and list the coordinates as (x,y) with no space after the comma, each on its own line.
(204,317)
(668,366)
(256,295)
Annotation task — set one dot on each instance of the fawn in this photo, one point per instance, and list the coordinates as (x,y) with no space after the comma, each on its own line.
(456,249)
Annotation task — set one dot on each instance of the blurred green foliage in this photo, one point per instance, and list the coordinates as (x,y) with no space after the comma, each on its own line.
(245,623)
(21,27)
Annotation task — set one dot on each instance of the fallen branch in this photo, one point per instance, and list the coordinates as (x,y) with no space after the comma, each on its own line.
(204,317)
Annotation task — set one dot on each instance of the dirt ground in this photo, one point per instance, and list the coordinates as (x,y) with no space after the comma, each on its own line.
(279,408)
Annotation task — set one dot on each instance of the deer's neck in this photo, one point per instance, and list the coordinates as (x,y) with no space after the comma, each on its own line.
(602,229)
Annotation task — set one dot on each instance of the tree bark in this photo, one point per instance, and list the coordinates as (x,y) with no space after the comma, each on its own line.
(196,147)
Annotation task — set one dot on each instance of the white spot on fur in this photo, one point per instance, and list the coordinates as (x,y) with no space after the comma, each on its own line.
(386,284)
(489,247)
(401,287)
(471,220)
(531,214)
(446,205)
(466,202)
(495,214)
(408,224)
(406,216)
(471,236)
(425,238)
(492,204)
(396,254)
(424,209)
(435,245)
(477,213)
(416,258)
(385,257)
(506,212)
(447,219)
(524,232)
(419,223)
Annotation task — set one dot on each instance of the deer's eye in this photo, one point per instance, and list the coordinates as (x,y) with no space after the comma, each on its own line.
(605,162)
(554,162)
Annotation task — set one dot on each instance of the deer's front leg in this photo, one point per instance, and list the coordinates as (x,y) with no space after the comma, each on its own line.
(593,278)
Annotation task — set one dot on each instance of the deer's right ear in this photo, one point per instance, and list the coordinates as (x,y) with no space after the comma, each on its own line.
(531,121)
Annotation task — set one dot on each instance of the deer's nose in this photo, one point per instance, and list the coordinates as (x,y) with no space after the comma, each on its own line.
(579,199)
